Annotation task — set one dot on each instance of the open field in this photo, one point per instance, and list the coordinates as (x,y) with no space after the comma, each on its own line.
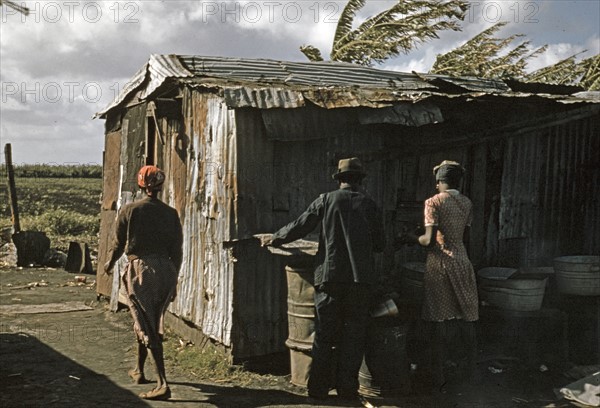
(66,209)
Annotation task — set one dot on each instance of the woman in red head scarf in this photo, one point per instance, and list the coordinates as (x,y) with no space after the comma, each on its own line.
(149,233)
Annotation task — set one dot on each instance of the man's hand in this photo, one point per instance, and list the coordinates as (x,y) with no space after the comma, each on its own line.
(266,240)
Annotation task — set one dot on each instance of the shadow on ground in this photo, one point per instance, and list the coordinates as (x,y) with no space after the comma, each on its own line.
(34,374)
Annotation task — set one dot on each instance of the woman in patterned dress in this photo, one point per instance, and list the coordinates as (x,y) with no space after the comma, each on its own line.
(450,289)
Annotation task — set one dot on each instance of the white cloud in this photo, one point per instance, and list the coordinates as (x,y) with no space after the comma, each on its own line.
(13,104)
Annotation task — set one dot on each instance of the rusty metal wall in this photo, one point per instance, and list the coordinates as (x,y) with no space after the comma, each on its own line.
(302,170)
(206,277)
(254,175)
(551,193)
(229,287)
(260,301)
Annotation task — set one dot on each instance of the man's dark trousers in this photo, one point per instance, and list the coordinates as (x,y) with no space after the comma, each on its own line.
(342,313)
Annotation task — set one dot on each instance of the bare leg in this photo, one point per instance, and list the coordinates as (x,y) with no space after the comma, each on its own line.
(159,362)
(142,354)
(162,390)
(137,373)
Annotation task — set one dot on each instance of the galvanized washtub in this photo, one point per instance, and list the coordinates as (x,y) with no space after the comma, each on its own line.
(578,275)
(497,289)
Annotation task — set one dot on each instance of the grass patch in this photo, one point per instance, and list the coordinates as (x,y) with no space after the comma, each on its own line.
(208,363)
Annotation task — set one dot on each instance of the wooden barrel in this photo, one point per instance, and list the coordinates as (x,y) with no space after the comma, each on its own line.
(385,370)
(301,322)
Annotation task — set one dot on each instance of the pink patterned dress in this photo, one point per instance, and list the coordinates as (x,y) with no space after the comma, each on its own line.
(449,281)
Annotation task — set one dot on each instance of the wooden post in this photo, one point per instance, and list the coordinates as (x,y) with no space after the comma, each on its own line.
(12,189)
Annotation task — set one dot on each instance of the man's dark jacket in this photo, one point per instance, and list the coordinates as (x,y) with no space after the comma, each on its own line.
(351,231)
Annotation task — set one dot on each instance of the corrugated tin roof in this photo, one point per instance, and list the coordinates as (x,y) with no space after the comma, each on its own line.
(264,83)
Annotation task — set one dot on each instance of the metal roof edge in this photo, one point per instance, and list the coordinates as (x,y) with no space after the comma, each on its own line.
(158,68)
(258,81)
(131,86)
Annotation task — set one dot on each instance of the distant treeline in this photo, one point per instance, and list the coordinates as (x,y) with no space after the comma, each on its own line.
(56,170)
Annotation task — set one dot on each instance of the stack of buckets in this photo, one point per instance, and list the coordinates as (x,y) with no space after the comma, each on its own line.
(578,282)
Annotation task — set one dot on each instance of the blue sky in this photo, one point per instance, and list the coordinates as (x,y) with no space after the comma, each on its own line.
(67,59)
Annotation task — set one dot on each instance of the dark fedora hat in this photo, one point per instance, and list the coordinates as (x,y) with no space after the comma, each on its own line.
(349,166)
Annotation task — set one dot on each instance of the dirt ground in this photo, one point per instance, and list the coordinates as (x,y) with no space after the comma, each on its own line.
(53,357)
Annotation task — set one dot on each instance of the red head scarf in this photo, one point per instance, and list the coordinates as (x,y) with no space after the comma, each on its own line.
(151,178)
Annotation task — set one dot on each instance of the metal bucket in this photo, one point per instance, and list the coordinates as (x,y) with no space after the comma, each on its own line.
(301,322)
(385,370)
(578,275)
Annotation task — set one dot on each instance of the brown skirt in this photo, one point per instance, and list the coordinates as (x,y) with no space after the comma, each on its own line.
(150,283)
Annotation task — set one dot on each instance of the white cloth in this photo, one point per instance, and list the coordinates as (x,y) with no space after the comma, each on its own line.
(585,391)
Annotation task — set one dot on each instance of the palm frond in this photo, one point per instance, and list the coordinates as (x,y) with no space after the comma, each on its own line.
(487,56)
(591,77)
(11,4)
(398,29)
(344,26)
(565,72)
(312,53)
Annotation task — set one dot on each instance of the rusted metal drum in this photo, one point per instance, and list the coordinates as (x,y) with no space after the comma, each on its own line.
(385,370)
(301,322)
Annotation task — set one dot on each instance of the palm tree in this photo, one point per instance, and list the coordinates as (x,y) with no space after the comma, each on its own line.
(410,22)
(486,56)
(398,29)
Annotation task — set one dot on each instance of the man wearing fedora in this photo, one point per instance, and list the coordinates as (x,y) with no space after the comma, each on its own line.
(350,231)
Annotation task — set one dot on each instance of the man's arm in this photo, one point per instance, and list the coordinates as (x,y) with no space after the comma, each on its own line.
(302,226)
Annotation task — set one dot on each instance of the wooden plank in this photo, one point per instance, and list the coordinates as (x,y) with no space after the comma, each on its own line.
(114,294)
(110,170)
(107,226)
(45,308)
(108,214)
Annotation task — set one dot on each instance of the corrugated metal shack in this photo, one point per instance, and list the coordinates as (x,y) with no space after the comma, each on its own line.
(248,144)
